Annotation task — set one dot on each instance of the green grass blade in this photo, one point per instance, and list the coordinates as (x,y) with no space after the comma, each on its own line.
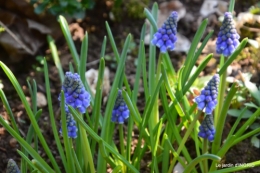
(111,101)
(30,115)
(68,37)
(114,47)
(97,138)
(151,19)
(69,156)
(55,56)
(27,146)
(139,66)
(9,111)
(26,159)
(188,63)
(199,159)
(98,101)
(197,72)
(220,126)
(52,116)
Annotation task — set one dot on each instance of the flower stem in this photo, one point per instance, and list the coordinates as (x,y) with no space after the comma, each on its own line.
(122,145)
(187,134)
(219,107)
(204,151)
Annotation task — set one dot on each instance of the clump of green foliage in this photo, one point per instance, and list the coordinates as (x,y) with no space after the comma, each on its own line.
(74,9)
(132,8)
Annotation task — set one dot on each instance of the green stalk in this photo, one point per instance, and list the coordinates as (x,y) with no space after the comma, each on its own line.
(52,117)
(111,101)
(204,151)
(55,56)
(122,144)
(222,116)
(186,136)
(30,115)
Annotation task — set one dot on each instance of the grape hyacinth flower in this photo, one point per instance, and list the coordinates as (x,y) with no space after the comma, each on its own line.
(165,37)
(228,38)
(207,100)
(12,167)
(207,129)
(75,93)
(71,124)
(120,111)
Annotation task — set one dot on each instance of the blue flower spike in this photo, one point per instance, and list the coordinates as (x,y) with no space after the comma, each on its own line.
(228,38)
(12,167)
(207,129)
(71,124)
(165,37)
(207,100)
(75,93)
(120,111)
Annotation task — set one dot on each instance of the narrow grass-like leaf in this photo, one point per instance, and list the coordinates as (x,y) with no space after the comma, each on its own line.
(231,132)
(134,113)
(226,146)
(151,19)
(52,117)
(98,138)
(69,156)
(68,37)
(139,65)
(54,53)
(26,159)
(27,146)
(111,102)
(200,68)
(200,49)
(103,49)
(98,100)
(77,165)
(39,166)
(191,53)
(231,6)
(199,159)
(9,111)
(223,114)
(30,115)
(114,47)
(245,126)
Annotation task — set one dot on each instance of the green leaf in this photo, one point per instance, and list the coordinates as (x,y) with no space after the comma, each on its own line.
(255,141)
(236,113)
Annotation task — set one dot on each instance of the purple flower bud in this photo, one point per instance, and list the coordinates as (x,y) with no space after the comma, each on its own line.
(120,112)
(207,129)
(165,37)
(71,124)
(228,38)
(206,101)
(75,93)
(12,167)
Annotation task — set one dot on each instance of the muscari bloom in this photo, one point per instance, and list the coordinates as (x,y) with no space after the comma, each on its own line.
(207,100)
(12,167)
(71,124)
(207,129)
(75,93)
(165,37)
(120,111)
(228,38)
